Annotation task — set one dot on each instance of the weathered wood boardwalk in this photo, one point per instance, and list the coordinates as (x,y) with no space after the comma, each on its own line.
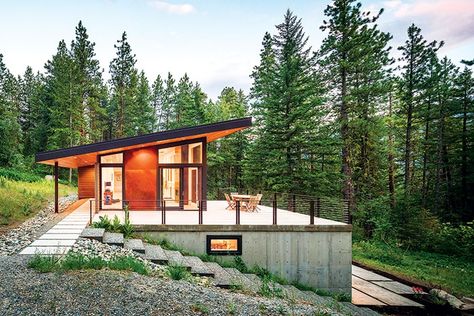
(372,289)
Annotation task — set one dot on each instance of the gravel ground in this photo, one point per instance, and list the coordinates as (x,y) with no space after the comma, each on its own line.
(24,291)
(18,238)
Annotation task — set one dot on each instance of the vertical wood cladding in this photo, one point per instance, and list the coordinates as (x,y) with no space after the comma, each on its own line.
(140,178)
(86,182)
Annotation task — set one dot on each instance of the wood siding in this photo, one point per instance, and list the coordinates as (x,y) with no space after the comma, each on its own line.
(140,178)
(86,182)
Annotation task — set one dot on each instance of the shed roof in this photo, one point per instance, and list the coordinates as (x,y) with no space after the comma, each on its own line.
(86,155)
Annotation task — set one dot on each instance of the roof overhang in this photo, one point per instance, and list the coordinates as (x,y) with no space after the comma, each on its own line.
(86,155)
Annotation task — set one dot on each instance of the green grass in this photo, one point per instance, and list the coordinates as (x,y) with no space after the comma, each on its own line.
(75,261)
(177,272)
(450,273)
(200,308)
(20,200)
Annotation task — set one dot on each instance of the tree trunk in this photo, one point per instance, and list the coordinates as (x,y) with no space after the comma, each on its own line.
(425,153)
(464,154)
(391,165)
(348,188)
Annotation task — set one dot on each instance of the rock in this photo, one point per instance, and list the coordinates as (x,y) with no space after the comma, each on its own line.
(451,299)
(18,238)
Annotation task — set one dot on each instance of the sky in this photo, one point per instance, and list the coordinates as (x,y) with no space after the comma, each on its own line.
(217,42)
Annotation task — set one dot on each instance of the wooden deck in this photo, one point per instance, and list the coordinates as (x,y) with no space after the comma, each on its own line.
(372,289)
(217,214)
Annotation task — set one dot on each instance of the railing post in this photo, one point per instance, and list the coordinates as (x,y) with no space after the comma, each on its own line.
(237,213)
(163,213)
(274,209)
(311,212)
(293,202)
(318,207)
(260,201)
(90,212)
(200,212)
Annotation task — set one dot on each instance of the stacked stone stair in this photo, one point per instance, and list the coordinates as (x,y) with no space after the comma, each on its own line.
(228,278)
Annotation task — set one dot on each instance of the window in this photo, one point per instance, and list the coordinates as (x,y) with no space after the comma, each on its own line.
(189,153)
(224,245)
(114,158)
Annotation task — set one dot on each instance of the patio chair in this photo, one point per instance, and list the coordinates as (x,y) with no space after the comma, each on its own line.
(252,204)
(231,203)
(234,193)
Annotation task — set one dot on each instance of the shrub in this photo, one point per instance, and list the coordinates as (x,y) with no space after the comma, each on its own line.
(200,308)
(268,288)
(17,175)
(129,264)
(43,263)
(76,261)
(177,272)
(452,239)
(104,222)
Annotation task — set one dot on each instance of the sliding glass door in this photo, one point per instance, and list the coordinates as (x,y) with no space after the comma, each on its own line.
(180,187)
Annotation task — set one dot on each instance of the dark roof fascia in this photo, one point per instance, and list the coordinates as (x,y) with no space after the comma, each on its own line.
(142,139)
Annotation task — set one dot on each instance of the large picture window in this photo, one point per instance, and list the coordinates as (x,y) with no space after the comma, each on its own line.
(224,245)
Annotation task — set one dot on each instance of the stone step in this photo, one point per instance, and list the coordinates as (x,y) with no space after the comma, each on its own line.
(155,254)
(221,277)
(239,279)
(134,245)
(198,267)
(93,233)
(176,258)
(113,239)
(254,278)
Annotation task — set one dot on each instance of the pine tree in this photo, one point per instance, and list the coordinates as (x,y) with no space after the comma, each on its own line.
(9,117)
(169,103)
(142,113)
(124,83)
(415,56)
(157,102)
(88,86)
(353,59)
(287,101)
(62,102)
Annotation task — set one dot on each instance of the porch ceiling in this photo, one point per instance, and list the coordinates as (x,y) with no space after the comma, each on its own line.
(86,155)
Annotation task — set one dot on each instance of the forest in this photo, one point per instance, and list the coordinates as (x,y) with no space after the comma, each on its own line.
(392,136)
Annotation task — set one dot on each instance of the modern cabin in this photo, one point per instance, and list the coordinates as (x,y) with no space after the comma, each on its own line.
(145,171)
(166,171)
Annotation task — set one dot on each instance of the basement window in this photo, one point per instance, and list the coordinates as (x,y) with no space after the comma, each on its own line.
(230,245)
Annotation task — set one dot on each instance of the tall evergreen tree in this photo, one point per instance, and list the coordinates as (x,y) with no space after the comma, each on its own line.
(353,59)
(415,56)
(9,117)
(88,86)
(124,83)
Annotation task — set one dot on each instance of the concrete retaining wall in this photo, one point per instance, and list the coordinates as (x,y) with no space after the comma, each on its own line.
(306,254)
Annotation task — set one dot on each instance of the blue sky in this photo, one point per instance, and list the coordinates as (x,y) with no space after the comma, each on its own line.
(217,42)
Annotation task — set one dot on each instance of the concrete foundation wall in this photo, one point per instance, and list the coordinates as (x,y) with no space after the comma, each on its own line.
(321,259)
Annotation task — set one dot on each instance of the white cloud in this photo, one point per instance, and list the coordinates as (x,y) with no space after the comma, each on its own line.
(449,20)
(182,9)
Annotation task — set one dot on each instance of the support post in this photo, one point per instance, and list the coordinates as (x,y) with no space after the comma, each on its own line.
(56,188)
(293,203)
(311,212)
(274,209)
(200,212)
(318,207)
(90,212)
(163,213)
(237,213)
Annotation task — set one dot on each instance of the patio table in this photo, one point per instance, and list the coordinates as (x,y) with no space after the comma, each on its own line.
(241,198)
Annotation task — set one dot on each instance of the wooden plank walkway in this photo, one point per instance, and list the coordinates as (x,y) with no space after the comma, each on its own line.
(372,289)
